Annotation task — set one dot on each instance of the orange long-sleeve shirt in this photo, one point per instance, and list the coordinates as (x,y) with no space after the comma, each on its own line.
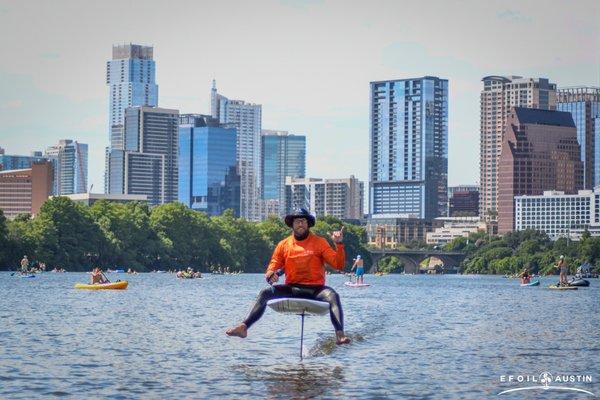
(304,260)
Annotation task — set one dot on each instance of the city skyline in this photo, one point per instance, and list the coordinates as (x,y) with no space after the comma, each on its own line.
(57,89)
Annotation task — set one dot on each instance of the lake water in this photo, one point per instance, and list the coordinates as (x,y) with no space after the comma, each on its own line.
(418,337)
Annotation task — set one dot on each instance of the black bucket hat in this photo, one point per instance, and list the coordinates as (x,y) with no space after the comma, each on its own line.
(299,213)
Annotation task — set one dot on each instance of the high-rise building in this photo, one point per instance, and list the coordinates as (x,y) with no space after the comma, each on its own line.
(282,155)
(558,214)
(247,119)
(130,76)
(463,201)
(146,162)
(70,161)
(19,162)
(539,153)
(499,94)
(208,179)
(584,105)
(25,190)
(341,198)
(409,148)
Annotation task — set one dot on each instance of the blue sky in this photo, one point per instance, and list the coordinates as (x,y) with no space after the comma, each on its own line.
(308,63)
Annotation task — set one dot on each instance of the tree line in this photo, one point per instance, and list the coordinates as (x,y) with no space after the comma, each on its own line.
(530,249)
(76,237)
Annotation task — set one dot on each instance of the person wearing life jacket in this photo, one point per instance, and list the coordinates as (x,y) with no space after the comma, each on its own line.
(302,257)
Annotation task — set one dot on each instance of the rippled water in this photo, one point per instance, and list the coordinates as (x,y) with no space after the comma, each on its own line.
(413,337)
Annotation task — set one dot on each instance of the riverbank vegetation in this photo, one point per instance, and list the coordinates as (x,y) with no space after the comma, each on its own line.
(75,237)
(515,251)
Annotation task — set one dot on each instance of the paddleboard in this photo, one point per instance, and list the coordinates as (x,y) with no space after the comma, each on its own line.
(534,283)
(299,306)
(353,284)
(27,276)
(554,287)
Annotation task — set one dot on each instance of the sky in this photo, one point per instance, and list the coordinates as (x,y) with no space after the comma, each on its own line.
(309,64)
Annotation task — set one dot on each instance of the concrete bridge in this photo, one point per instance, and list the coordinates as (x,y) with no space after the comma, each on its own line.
(413,258)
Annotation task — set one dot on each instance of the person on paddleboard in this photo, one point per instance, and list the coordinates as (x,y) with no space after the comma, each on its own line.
(302,257)
(360,270)
(562,265)
(24,265)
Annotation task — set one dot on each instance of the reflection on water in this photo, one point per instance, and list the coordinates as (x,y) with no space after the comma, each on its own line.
(297,380)
(434,337)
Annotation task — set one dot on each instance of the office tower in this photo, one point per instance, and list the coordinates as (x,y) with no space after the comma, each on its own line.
(282,155)
(25,190)
(584,105)
(70,161)
(341,198)
(463,201)
(131,79)
(539,153)
(146,163)
(247,119)
(499,94)
(208,179)
(409,148)
(8,161)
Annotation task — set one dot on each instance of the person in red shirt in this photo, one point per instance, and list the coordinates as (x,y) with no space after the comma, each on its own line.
(302,257)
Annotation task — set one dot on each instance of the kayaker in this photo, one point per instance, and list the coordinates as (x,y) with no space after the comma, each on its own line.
(24,265)
(562,265)
(301,256)
(360,271)
(97,277)
(525,276)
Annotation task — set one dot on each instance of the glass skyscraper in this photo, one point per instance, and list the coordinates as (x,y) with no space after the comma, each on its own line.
(70,163)
(131,79)
(10,162)
(409,148)
(146,163)
(282,155)
(584,105)
(247,119)
(208,179)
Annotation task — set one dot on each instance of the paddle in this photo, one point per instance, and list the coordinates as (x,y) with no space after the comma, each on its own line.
(104,276)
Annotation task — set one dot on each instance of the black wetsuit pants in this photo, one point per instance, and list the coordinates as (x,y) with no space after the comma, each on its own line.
(320,293)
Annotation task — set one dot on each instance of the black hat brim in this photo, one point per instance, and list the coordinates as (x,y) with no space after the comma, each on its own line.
(289,219)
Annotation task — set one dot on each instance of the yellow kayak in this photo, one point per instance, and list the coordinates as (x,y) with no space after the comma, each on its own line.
(100,286)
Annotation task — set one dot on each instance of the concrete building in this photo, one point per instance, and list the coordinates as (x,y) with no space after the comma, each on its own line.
(25,190)
(341,198)
(584,105)
(70,161)
(282,155)
(208,179)
(408,170)
(559,214)
(146,162)
(455,227)
(90,198)
(499,95)
(539,152)
(247,119)
(393,232)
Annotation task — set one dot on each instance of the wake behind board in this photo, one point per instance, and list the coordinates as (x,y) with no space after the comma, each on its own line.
(534,283)
(554,287)
(299,306)
(353,284)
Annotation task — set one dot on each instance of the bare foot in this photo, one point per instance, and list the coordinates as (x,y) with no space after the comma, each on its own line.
(240,331)
(341,338)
